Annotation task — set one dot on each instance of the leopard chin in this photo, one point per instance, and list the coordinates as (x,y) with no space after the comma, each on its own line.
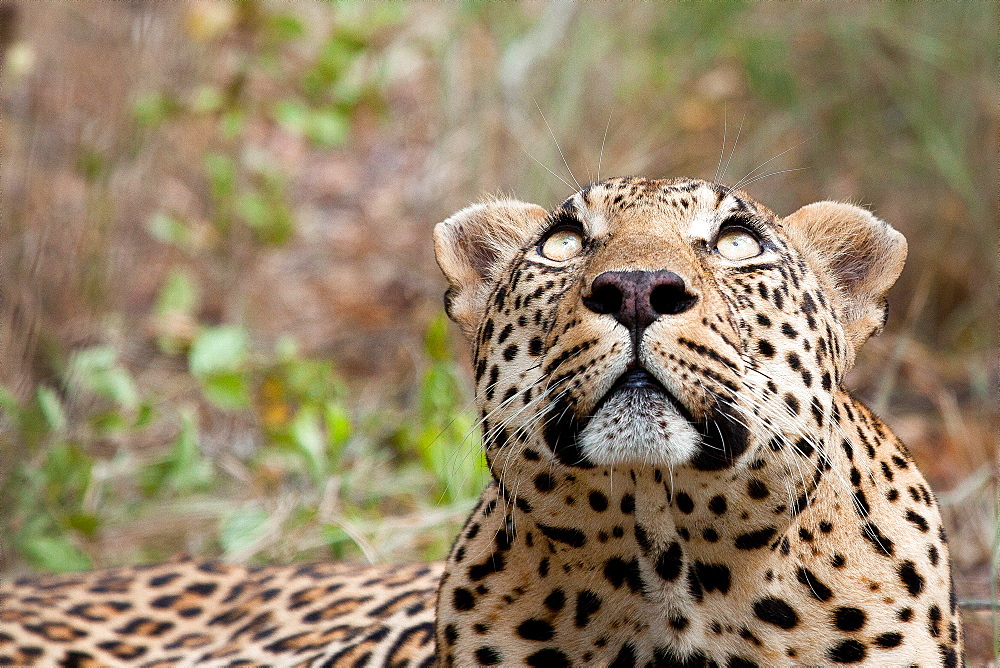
(639,425)
(638,422)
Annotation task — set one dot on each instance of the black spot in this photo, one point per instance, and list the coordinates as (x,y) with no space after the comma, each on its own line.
(792,402)
(717,504)
(505,332)
(684,503)
(571,537)
(788,331)
(561,432)
(932,554)
(625,658)
(949,659)
(712,577)
(164,601)
(740,662)
(911,578)
(598,501)
(510,352)
(817,588)
(555,600)
(889,640)
(775,611)
(757,490)
(849,619)
(934,621)
(765,348)
(710,534)
(164,579)
(587,603)
(669,563)
(627,505)
(794,361)
(617,571)
(535,629)
(462,599)
(847,651)
(548,658)
(804,447)
(873,535)
(917,520)
(488,656)
(493,564)
(642,538)
(825,527)
(805,535)
(678,622)
(535,347)
(754,540)
(861,506)
(544,482)
(491,386)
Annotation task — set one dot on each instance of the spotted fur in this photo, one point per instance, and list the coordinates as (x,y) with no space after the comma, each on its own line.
(678,476)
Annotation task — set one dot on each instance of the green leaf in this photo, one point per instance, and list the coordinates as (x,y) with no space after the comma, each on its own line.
(227,390)
(338,428)
(292,115)
(241,528)
(184,468)
(153,108)
(221,171)
(95,369)
(216,350)
(206,99)
(165,228)
(54,554)
(286,27)
(179,293)
(52,408)
(307,435)
(85,523)
(327,128)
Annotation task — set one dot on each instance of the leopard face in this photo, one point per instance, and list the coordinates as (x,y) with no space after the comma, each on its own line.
(653,323)
(679,476)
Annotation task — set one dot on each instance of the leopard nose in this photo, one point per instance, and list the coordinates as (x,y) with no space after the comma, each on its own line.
(637,298)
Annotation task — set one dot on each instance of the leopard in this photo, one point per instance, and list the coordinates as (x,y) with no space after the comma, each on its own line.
(678,475)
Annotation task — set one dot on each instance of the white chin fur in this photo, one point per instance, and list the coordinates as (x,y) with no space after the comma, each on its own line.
(638,426)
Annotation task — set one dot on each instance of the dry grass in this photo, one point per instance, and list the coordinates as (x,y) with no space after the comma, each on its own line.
(107,120)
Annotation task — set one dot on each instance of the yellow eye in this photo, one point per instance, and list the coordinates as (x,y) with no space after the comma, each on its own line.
(562,245)
(737,244)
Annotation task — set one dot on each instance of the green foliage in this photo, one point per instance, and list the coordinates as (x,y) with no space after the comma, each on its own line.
(444,431)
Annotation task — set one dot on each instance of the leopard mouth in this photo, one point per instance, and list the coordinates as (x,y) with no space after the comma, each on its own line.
(639,420)
(636,379)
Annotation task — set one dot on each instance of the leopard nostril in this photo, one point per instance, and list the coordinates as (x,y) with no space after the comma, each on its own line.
(604,298)
(671,299)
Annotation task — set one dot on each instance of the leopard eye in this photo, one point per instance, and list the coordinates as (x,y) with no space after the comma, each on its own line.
(737,244)
(562,245)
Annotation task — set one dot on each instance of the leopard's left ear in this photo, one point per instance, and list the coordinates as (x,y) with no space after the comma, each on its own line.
(859,254)
(473,247)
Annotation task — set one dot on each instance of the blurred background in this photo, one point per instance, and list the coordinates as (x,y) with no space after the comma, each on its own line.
(221,329)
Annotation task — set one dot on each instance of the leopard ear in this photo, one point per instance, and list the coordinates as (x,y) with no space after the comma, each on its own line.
(859,254)
(473,246)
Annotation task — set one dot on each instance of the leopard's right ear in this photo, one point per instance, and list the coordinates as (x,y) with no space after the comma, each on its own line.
(473,246)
